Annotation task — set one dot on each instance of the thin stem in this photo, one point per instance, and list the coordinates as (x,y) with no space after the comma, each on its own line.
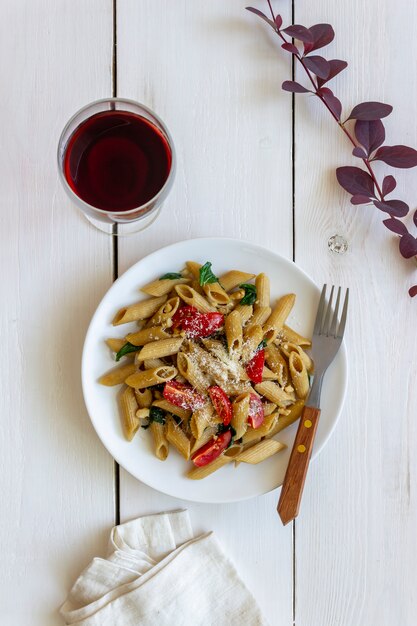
(271,9)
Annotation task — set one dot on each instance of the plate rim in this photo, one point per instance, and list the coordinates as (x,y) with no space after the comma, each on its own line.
(131,269)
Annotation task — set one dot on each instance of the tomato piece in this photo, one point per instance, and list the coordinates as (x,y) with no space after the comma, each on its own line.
(212,449)
(256,411)
(197,324)
(255,367)
(221,403)
(182,395)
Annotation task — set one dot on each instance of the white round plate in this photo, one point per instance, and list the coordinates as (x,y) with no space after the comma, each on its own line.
(228,484)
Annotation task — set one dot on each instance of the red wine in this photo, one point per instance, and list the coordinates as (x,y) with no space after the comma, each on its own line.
(117,161)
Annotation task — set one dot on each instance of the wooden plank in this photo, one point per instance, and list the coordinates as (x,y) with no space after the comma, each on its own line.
(355,536)
(212,72)
(56,479)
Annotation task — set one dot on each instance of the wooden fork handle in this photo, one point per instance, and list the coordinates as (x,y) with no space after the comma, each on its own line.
(292,488)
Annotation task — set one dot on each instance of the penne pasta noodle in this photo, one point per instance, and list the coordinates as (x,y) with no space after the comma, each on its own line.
(193,298)
(216,295)
(240,414)
(275,393)
(160,441)
(149,364)
(165,312)
(234,278)
(286,420)
(205,437)
(143,398)
(288,334)
(201,419)
(188,369)
(129,406)
(287,348)
(209,364)
(234,450)
(184,414)
(163,287)
(118,375)
(259,316)
(235,369)
(178,439)
(148,378)
(268,374)
(299,375)
(260,451)
(269,407)
(277,363)
(252,434)
(160,348)
(262,290)
(279,314)
(146,335)
(194,269)
(252,338)
(197,473)
(116,344)
(234,336)
(138,311)
(245,311)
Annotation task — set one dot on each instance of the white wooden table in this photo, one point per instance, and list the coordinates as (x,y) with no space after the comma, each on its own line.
(213,73)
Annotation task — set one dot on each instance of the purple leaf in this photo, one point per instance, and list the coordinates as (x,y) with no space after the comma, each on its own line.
(415,218)
(359,152)
(397,156)
(359,199)
(408,246)
(289,47)
(332,102)
(413,291)
(262,16)
(322,34)
(296,31)
(398,208)
(369,111)
(278,21)
(355,181)
(370,135)
(395,226)
(319,66)
(388,184)
(290,85)
(336,66)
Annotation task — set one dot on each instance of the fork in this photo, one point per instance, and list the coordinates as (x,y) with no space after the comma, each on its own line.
(327,338)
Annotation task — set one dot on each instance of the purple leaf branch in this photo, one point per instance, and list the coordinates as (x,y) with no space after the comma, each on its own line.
(367,135)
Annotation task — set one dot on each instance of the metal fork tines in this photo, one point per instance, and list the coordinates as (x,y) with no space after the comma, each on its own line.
(327,336)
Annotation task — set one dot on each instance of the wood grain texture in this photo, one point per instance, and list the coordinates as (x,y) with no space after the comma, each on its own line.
(355,542)
(213,74)
(293,485)
(55,477)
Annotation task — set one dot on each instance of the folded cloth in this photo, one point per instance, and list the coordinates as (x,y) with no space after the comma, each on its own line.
(159,574)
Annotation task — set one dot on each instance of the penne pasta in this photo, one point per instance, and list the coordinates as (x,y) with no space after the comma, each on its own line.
(146,335)
(209,364)
(299,375)
(277,363)
(262,290)
(165,312)
(192,298)
(197,473)
(148,378)
(184,414)
(178,439)
(205,437)
(252,434)
(268,374)
(163,287)
(279,314)
(216,295)
(149,364)
(252,339)
(160,442)
(287,348)
(129,406)
(201,419)
(288,334)
(234,336)
(234,278)
(118,375)
(269,407)
(275,393)
(240,414)
(194,269)
(160,348)
(245,311)
(286,420)
(143,398)
(259,316)
(115,344)
(138,311)
(188,369)
(260,451)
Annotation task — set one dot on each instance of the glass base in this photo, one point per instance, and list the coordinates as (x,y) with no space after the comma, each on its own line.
(123,229)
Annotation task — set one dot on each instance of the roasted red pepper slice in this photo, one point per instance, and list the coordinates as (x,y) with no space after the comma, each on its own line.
(212,449)
(221,403)
(183,395)
(256,411)
(255,367)
(197,324)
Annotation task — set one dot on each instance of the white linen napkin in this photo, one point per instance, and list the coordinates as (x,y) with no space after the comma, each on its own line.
(158,574)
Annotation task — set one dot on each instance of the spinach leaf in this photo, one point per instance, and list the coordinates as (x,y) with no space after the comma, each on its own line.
(126,349)
(250,293)
(206,275)
(262,345)
(155,415)
(170,276)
